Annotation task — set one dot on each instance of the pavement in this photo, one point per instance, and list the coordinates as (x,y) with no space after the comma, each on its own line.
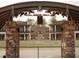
(40,53)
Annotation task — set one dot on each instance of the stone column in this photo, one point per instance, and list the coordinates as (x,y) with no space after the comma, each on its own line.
(12,40)
(68,42)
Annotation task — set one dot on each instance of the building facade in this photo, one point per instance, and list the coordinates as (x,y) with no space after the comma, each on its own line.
(49,33)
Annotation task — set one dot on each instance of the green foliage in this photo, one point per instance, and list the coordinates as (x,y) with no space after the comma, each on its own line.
(30,22)
(53,20)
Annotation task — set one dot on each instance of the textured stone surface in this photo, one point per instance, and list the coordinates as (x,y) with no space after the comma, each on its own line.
(39,32)
(68,42)
(12,40)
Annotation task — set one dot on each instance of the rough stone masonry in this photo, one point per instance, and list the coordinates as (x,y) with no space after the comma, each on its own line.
(12,40)
(68,42)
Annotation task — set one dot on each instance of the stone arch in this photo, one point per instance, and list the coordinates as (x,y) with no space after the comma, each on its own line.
(7,12)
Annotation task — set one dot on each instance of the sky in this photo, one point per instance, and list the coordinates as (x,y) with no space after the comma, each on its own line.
(8,2)
(23,18)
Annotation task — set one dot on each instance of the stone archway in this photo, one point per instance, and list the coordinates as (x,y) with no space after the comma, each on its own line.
(67,41)
(12,41)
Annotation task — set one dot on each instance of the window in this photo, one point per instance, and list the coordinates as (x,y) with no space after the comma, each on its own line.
(21,29)
(58,28)
(1,36)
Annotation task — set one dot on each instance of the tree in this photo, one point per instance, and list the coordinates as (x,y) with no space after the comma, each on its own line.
(30,22)
(53,20)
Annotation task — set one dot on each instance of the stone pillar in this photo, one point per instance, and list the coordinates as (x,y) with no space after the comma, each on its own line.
(68,42)
(12,40)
